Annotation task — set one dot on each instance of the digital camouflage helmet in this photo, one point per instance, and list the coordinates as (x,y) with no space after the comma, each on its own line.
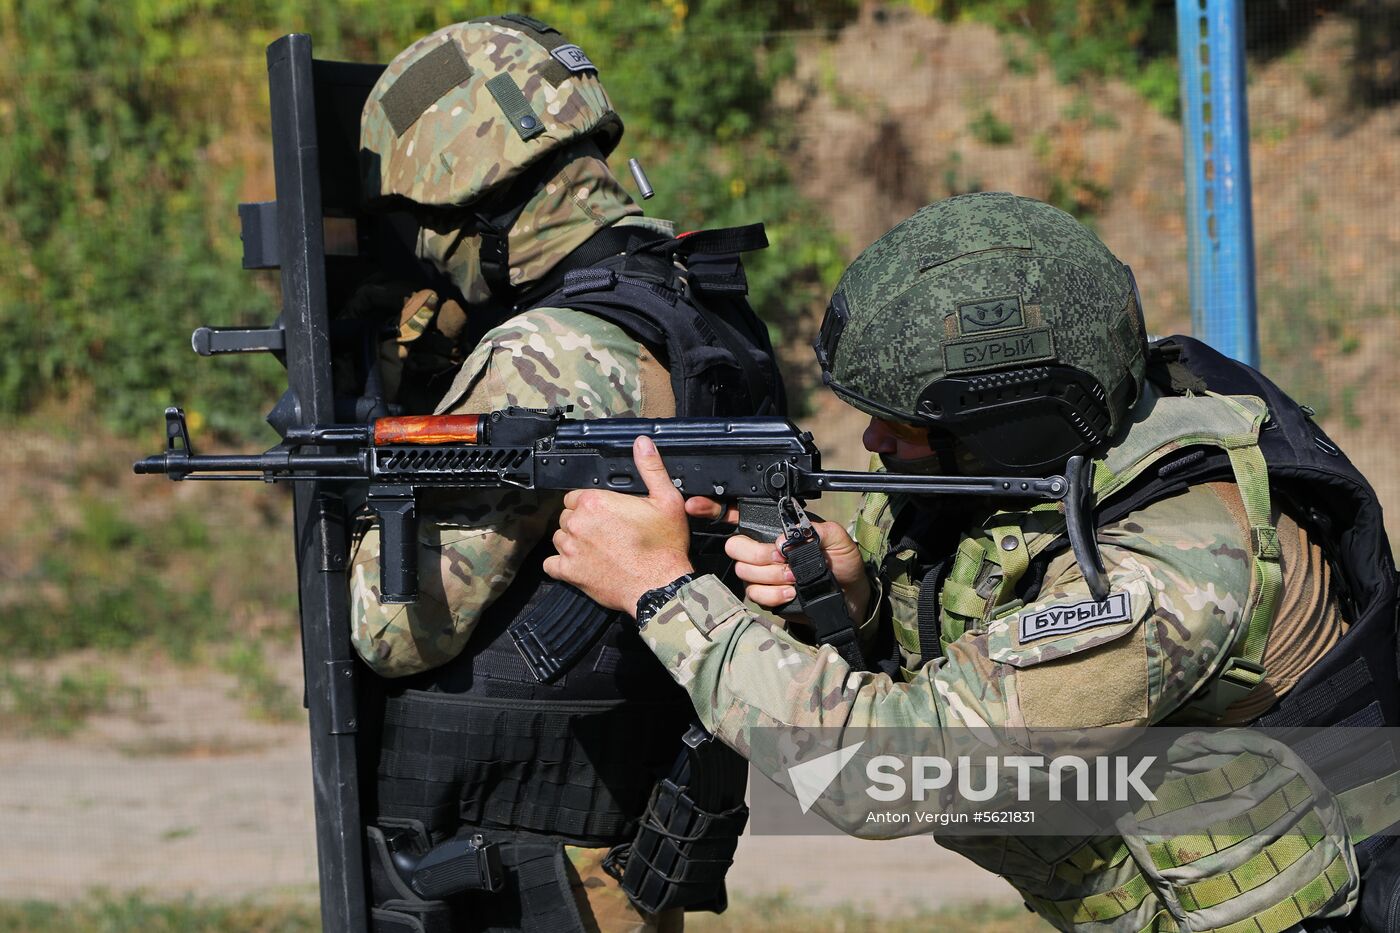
(996,320)
(465,124)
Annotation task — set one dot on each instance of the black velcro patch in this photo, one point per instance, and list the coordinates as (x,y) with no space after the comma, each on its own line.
(529,22)
(423,84)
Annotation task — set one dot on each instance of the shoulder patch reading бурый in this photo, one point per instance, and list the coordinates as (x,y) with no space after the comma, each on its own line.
(1074,617)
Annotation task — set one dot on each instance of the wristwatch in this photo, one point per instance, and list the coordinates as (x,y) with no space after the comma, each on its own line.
(652,600)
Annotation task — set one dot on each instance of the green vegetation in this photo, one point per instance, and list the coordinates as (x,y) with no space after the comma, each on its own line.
(136,914)
(988,128)
(109,582)
(1082,110)
(957,179)
(41,705)
(1071,188)
(106,582)
(117,212)
(132,913)
(267,697)
(1318,324)
(1135,40)
(92,565)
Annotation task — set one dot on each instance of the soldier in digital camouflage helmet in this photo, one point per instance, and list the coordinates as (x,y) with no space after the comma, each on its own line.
(493,134)
(995,335)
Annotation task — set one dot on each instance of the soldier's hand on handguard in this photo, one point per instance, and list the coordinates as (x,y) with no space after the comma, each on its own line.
(615,547)
(764,568)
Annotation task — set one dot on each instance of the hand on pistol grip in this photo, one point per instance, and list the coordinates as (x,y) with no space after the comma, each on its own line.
(763,528)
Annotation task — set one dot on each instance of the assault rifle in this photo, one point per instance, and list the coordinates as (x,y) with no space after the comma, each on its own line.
(767,464)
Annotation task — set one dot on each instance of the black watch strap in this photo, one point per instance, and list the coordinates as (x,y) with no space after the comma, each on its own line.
(653,600)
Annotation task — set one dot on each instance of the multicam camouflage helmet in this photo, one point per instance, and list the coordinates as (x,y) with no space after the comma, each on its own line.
(469,108)
(997,319)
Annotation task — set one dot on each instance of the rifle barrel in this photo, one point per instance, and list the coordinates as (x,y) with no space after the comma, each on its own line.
(271,465)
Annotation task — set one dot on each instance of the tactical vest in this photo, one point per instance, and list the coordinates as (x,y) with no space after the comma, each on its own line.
(1219,420)
(480,742)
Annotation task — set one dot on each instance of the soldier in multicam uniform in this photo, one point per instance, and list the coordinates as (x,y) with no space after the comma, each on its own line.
(493,134)
(1246,577)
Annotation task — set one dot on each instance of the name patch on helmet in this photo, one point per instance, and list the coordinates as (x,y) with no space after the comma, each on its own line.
(572,58)
(990,314)
(1074,617)
(989,352)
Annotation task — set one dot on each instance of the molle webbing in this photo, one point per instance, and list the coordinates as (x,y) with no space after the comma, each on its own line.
(1107,905)
(1267,865)
(1286,821)
(870,537)
(423,83)
(1288,806)
(1091,859)
(962,605)
(578,770)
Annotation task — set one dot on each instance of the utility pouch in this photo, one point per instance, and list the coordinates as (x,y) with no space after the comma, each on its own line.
(688,833)
(680,854)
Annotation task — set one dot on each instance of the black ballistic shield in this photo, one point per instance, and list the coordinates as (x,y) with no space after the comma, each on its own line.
(321,542)
(317,236)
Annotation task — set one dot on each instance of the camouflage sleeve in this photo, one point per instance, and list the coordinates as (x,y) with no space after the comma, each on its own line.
(1177,572)
(472,544)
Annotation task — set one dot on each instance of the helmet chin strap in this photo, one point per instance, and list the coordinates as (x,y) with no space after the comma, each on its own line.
(494,219)
(495,254)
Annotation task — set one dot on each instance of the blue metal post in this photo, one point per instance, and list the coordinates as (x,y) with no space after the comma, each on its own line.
(1219,217)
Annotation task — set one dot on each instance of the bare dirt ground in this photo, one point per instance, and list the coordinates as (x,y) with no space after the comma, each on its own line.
(191,797)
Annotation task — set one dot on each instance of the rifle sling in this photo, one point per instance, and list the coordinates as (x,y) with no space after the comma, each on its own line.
(822,601)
